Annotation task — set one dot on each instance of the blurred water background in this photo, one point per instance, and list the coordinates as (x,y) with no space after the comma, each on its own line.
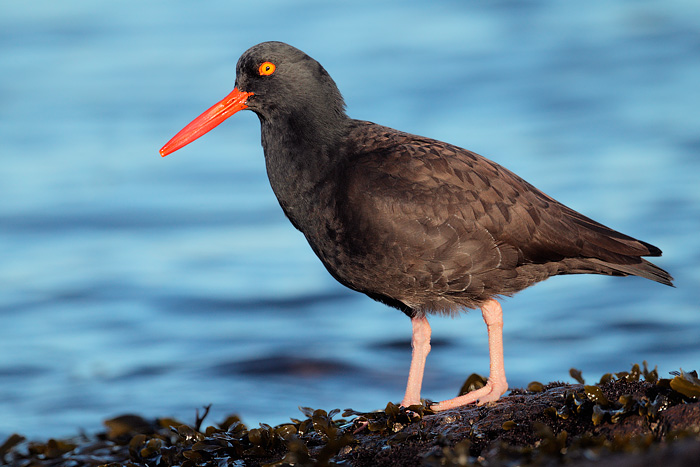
(132,283)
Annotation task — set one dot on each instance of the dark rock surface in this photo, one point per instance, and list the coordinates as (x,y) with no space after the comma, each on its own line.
(627,419)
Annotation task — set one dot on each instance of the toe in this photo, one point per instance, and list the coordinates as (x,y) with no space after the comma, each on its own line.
(488,393)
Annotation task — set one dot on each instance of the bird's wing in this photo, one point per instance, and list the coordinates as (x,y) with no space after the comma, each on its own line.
(461,215)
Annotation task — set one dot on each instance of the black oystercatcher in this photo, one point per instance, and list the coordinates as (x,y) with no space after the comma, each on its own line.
(418,224)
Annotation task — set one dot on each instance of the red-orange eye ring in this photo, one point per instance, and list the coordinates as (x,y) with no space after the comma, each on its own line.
(266,69)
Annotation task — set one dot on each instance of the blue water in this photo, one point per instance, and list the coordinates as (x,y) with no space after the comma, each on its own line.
(133,283)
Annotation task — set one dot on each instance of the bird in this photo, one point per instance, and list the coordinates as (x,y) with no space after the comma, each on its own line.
(418,224)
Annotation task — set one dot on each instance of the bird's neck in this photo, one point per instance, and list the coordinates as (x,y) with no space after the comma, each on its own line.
(300,151)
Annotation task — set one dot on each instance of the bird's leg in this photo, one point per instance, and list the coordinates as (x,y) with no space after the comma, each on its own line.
(496,384)
(420,343)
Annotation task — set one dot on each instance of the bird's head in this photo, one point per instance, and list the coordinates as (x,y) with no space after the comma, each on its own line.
(278,82)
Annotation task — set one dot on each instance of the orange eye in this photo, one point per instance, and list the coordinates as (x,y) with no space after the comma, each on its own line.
(266,69)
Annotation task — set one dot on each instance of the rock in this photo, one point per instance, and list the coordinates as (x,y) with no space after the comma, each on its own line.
(627,419)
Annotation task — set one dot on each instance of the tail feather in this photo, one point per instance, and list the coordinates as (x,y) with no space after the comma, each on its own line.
(643,269)
(620,253)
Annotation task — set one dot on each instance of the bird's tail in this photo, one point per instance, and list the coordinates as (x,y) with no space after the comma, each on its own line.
(644,268)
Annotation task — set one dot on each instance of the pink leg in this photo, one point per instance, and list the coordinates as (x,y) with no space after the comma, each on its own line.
(420,342)
(497,384)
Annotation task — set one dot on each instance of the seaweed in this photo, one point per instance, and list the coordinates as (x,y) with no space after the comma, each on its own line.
(628,413)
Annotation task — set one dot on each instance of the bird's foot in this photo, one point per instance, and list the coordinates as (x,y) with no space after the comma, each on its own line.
(409,402)
(361,425)
(491,392)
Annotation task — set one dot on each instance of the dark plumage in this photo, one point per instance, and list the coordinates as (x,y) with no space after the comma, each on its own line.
(418,224)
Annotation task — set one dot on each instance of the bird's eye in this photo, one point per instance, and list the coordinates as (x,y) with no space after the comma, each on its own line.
(267,68)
